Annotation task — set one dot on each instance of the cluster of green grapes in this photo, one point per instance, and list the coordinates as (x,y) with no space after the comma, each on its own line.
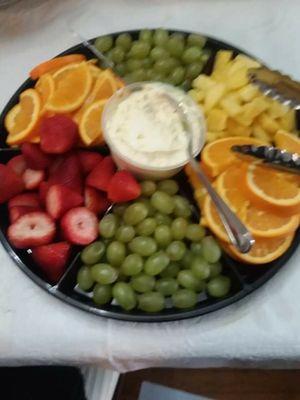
(150,250)
(156,56)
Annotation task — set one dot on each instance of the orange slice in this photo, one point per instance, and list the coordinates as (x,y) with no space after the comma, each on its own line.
(287,141)
(72,86)
(272,190)
(23,117)
(45,87)
(263,251)
(90,124)
(217,156)
(95,71)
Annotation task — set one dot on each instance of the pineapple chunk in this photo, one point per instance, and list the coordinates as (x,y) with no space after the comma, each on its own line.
(203,82)
(288,121)
(261,134)
(197,95)
(223,58)
(277,110)
(237,79)
(231,105)
(247,61)
(216,120)
(212,136)
(248,93)
(255,107)
(213,96)
(268,123)
(236,129)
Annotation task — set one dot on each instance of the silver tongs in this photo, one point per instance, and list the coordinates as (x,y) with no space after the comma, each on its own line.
(270,156)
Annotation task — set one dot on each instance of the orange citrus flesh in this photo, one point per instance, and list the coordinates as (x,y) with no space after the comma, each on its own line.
(55,63)
(90,123)
(45,87)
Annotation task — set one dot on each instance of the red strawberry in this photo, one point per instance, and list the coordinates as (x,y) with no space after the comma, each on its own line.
(123,187)
(10,183)
(17,211)
(80,226)
(101,174)
(18,164)
(68,173)
(59,134)
(31,230)
(52,259)
(43,189)
(95,201)
(60,199)
(25,199)
(34,156)
(88,160)
(32,178)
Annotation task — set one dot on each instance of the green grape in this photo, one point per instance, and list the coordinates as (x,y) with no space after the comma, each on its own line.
(151,302)
(164,65)
(177,75)
(128,78)
(175,46)
(184,298)
(195,232)
(163,235)
(194,69)
(147,203)
(176,250)
(132,265)
(186,85)
(211,250)
(205,56)
(124,295)
(140,50)
(187,259)
(121,69)
(160,37)
(218,286)
(104,273)
(166,286)
(133,65)
(125,233)
(162,219)
(147,63)
(162,202)
(188,280)
(169,186)
(115,253)
(182,207)
(215,269)
(104,43)
(196,248)
(148,188)
(124,40)
(135,213)
(200,268)
(156,263)
(178,228)
(142,283)
(146,227)
(178,36)
(119,209)
(154,76)
(158,53)
(191,54)
(117,54)
(84,278)
(194,39)
(108,226)
(144,246)
(145,35)
(171,270)
(139,75)
(93,253)
(102,294)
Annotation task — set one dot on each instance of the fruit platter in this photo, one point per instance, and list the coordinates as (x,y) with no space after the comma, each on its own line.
(99,203)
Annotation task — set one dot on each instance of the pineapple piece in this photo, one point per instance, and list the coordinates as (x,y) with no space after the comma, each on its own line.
(255,107)
(197,95)
(216,120)
(268,123)
(223,58)
(203,82)
(236,129)
(261,134)
(248,93)
(247,61)
(237,79)
(231,105)
(213,96)
(288,121)
(212,136)
(277,110)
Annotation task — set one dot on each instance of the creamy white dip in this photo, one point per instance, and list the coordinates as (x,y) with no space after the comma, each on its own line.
(146,128)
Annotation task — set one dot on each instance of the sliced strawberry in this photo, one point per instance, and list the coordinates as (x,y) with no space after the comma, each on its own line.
(34,156)
(95,201)
(101,174)
(31,230)
(10,183)
(55,164)
(25,199)
(68,173)
(17,211)
(43,189)
(60,199)
(123,187)
(18,164)
(59,134)
(33,177)
(52,259)
(88,160)
(80,226)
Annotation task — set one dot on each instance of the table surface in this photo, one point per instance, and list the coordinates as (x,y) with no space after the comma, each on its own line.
(36,328)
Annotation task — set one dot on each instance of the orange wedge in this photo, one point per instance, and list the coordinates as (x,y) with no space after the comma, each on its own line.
(23,117)
(287,141)
(45,87)
(95,71)
(263,251)
(90,123)
(217,156)
(72,86)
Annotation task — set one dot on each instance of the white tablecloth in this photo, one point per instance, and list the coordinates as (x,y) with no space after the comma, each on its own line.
(262,330)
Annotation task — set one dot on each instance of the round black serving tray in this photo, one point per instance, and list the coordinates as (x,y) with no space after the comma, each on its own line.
(245,278)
